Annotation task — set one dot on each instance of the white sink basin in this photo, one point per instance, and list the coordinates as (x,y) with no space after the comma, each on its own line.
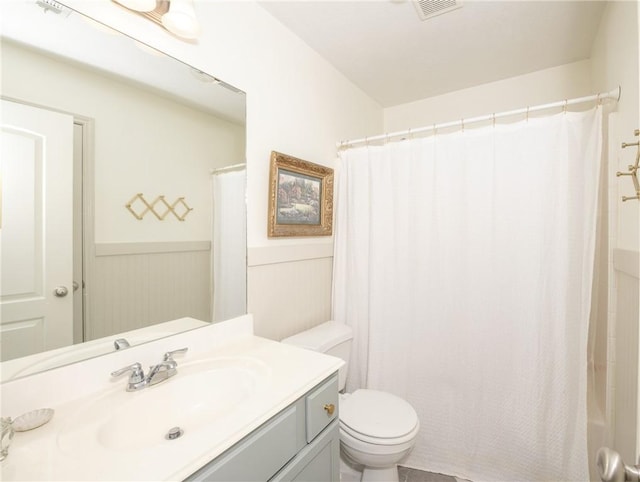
(195,398)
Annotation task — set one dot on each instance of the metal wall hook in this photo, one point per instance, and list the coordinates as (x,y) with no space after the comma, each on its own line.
(630,144)
(632,170)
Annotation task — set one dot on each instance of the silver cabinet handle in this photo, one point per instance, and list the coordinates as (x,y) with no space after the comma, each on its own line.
(75,286)
(61,291)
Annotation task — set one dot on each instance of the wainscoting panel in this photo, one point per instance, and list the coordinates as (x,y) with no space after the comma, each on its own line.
(626,354)
(289,288)
(132,288)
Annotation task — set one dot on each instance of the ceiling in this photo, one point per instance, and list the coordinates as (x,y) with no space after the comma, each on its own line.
(395,57)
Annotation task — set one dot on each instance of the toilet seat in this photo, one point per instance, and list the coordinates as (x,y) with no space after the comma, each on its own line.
(377,417)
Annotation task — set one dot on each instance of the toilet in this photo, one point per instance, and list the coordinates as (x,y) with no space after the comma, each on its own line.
(377,429)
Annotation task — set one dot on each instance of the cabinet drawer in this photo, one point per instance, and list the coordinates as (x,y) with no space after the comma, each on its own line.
(322,407)
(260,455)
(317,462)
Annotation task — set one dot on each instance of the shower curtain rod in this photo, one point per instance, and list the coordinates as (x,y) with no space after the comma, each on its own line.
(613,94)
(227,168)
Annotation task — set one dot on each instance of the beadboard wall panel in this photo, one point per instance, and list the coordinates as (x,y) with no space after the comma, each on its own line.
(626,354)
(288,295)
(138,289)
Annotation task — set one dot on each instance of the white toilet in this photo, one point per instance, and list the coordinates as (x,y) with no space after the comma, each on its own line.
(377,429)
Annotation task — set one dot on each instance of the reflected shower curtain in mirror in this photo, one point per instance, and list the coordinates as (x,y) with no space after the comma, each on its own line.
(464,263)
(229,271)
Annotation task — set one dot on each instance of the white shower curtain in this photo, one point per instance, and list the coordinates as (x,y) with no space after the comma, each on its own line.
(464,264)
(228,245)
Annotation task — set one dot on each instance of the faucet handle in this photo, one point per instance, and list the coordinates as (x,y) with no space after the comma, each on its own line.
(137,374)
(169,355)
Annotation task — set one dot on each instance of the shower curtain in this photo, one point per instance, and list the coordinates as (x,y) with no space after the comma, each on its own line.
(464,263)
(228,246)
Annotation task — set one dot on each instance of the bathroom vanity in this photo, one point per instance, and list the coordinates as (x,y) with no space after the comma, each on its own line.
(301,443)
(246,408)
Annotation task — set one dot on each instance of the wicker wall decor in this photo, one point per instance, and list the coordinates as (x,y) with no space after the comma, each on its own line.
(159,207)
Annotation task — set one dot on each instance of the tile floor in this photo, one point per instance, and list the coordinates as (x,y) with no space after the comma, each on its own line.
(405,474)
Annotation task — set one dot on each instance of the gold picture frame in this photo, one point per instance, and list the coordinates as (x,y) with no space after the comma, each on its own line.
(300,198)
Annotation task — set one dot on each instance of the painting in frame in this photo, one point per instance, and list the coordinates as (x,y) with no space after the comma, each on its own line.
(300,197)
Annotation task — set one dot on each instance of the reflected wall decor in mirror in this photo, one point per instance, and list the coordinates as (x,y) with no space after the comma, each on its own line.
(93,121)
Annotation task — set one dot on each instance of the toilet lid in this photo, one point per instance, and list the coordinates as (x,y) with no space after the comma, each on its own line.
(373,413)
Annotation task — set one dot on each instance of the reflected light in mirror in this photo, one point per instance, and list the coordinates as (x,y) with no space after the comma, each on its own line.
(177,16)
(181,19)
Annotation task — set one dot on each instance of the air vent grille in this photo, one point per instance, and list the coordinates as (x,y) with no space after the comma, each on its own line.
(431,8)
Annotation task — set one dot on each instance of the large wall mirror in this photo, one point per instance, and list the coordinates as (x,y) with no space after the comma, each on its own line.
(123,190)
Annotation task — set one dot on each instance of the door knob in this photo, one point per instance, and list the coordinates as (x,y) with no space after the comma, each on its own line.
(61,291)
(611,468)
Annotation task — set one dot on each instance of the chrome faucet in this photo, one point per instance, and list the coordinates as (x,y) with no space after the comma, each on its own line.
(157,373)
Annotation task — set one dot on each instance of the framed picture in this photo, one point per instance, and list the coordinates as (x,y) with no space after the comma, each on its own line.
(300,197)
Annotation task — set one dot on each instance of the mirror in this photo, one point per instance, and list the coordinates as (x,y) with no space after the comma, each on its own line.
(158,211)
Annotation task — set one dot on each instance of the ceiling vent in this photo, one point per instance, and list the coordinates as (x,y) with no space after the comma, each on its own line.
(432,8)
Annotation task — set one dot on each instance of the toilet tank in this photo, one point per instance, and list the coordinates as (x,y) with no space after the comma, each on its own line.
(332,338)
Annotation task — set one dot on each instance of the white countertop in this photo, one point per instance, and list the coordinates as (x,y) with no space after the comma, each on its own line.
(39,455)
(32,364)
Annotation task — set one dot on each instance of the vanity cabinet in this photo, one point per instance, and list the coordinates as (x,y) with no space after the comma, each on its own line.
(301,443)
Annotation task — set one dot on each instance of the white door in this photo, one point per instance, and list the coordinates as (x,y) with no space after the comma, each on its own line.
(36,161)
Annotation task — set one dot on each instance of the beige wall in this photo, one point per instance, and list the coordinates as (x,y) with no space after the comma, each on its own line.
(615,62)
(135,152)
(541,87)
(614,57)
(297,104)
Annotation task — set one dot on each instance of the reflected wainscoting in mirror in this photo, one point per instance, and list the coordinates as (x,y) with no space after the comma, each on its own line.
(124,120)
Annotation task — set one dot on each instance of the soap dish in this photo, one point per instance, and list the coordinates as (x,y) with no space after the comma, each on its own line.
(31,420)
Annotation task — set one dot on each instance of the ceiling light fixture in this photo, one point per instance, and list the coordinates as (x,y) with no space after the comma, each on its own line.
(181,19)
(177,16)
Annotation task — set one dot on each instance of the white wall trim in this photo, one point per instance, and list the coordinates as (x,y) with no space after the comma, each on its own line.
(118,249)
(627,262)
(264,255)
